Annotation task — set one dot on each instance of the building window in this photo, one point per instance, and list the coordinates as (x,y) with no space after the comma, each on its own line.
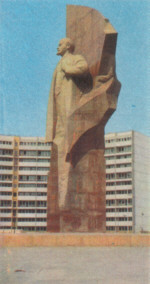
(130,218)
(28,143)
(28,153)
(5,184)
(5,193)
(123,165)
(37,228)
(110,158)
(5,203)
(110,219)
(110,166)
(41,203)
(43,168)
(32,203)
(6,152)
(32,185)
(5,219)
(110,228)
(122,202)
(110,210)
(110,202)
(26,204)
(28,211)
(6,142)
(5,210)
(42,185)
(43,160)
(33,178)
(122,219)
(41,178)
(123,175)
(112,192)
(110,176)
(121,209)
(124,191)
(27,160)
(127,182)
(123,156)
(109,140)
(41,211)
(6,177)
(110,183)
(44,153)
(31,219)
(48,143)
(27,178)
(6,159)
(27,168)
(5,168)
(5,227)
(129,209)
(123,139)
(124,149)
(110,150)
(123,228)
(32,193)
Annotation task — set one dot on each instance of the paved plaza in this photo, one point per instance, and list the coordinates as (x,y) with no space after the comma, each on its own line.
(74,265)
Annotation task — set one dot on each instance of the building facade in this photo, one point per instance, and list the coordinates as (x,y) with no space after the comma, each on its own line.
(24,165)
(127,157)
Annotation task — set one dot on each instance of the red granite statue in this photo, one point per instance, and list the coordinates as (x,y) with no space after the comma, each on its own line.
(83,96)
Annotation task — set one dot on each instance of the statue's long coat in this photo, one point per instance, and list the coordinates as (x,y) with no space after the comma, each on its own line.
(63,94)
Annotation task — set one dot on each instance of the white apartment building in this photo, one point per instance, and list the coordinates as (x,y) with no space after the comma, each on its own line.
(127,157)
(24,165)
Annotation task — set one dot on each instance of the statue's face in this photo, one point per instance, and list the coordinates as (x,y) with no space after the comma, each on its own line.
(62,47)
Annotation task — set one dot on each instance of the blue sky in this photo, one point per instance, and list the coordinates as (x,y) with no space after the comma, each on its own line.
(29,33)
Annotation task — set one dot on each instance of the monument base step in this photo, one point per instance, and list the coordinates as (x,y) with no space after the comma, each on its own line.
(73,239)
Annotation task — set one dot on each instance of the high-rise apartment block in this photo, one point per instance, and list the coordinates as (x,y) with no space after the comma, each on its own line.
(127,157)
(24,165)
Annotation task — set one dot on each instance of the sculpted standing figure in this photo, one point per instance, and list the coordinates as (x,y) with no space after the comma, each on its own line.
(63,98)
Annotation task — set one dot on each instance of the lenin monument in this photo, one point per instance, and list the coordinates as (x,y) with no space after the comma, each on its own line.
(83,96)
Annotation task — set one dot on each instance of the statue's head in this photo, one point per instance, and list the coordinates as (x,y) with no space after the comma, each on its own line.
(65,45)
